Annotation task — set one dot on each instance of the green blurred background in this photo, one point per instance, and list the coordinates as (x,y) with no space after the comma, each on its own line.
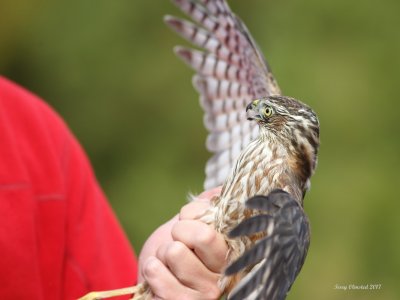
(108,69)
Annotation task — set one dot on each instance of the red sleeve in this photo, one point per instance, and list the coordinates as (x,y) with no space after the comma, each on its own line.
(59,238)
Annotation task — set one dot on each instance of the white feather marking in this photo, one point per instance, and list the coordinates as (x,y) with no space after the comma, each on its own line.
(218,141)
(209,23)
(224,122)
(215,88)
(197,14)
(236,149)
(199,38)
(220,69)
(208,64)
(222,105)
(210,182)
(221,140)
(212,86)
(211,7)
(212,44)
(246,140)
(225,158)
(221,33)
(223,174)
(217,161)
(255,133)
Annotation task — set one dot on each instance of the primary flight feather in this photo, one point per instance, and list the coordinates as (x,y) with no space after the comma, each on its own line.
(231,72)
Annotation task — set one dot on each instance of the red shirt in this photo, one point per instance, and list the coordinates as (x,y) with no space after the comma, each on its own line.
(59,238)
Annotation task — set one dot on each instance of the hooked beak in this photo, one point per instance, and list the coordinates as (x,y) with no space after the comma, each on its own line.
(252,111)
(250,106)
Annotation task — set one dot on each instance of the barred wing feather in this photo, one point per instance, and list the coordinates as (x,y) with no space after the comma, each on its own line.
(276,259)
(231,72)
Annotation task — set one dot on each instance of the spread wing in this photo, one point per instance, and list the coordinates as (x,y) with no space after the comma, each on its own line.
(230,72)
(275,260)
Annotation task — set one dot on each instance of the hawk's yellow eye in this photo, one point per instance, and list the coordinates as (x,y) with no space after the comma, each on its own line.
(267,111)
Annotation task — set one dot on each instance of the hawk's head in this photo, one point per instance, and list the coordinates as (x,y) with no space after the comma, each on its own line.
(291,123)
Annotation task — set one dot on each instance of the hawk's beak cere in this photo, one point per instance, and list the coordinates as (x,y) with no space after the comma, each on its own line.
(252,110)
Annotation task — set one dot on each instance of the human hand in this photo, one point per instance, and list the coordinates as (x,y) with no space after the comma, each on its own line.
(184,257)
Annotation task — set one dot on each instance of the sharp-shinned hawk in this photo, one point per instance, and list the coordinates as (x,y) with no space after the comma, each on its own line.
(264,164)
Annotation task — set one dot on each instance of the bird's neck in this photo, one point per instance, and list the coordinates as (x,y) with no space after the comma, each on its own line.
(263,166)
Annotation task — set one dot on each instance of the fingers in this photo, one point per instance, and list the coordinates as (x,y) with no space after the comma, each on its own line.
(207,244)
(187,267)
(166,285)
(160,237)
(160,279)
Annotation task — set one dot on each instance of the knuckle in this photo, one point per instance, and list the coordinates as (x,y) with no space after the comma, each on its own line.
(179,230)
(207,236)
(160,253)
(151,267)
(176,229)
(175,251)
(184,212)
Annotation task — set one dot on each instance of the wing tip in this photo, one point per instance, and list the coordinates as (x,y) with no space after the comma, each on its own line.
(173,22)
(183,53)
(199,84)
